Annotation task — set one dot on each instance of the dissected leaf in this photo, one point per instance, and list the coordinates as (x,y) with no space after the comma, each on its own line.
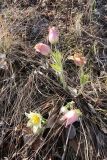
(56,67)
(70,105)
(57,57)
(84,78)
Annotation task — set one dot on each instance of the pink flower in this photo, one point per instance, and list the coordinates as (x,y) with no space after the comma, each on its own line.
(71,116)
(78,58)
(42,48)
(53,35)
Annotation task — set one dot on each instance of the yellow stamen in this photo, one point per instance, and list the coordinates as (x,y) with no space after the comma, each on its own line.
(35,119)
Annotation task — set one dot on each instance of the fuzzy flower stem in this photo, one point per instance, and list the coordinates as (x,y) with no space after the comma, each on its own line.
(55,47)
(62,79)
(81,73)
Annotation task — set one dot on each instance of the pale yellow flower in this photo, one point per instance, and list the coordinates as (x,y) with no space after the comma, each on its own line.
(35,120)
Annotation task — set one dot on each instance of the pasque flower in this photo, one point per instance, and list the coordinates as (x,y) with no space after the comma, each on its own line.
(78,59)
(42,48)
(53,35)
(34,122)
(71,116)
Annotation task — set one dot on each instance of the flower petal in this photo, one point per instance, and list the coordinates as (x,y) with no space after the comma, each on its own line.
(63,109)
(35,129)
(71,116)
(29,124)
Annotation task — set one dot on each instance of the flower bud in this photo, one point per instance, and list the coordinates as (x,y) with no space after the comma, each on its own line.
(53,35)
(43,49)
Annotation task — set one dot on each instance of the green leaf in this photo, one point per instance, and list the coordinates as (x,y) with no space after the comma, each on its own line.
(57,57)
(70,105)
(78,112)
(84,78)
(56,67)
(44,121)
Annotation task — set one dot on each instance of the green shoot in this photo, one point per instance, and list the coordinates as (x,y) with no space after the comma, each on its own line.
(84,79)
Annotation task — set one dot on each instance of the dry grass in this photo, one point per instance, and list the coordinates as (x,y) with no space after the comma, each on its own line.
(26,84)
